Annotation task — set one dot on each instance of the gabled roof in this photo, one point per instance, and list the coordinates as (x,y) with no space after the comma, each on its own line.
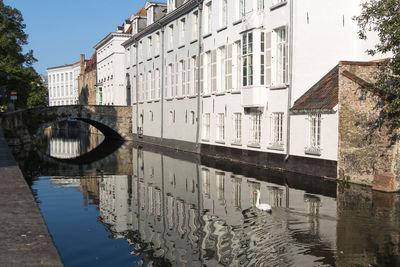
(142,11)
(321,96)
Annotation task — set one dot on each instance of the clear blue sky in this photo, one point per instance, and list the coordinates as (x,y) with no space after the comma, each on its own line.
(59,31)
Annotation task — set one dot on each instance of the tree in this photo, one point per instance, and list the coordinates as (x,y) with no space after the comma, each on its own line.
(16,70)
(383,17)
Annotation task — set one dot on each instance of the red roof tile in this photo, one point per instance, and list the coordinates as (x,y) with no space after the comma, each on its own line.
(323,95)
(142,11)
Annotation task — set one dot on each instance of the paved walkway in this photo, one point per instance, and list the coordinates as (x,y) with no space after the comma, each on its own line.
(24,238)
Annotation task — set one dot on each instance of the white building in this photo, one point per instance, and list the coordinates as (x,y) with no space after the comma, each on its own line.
(111,88)
(251,60)
(63,84)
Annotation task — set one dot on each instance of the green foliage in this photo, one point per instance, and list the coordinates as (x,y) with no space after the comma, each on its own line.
(383,17)
(16,72)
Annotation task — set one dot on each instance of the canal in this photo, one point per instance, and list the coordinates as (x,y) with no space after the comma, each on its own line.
(109,203)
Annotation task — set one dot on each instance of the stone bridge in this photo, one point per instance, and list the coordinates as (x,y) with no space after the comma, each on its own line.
(113,121)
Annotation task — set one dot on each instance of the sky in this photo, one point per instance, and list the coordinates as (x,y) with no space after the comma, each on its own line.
(59,31)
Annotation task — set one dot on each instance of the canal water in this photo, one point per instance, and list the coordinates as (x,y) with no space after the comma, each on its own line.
(108,203)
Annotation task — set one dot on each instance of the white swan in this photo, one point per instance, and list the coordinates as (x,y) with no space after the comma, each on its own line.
(262,206)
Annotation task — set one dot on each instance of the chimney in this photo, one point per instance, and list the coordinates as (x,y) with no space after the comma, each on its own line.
(82,63)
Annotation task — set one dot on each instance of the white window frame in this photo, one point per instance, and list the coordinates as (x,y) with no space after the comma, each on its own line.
(182,31)
(220,127)
(247,59)
(223,20)
(314,133)
(277,129)
(237,128)
(255,129)
(281,54)
(221,69)
(149,47)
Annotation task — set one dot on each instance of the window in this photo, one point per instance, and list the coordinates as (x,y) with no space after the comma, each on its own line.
(247,59)
(167,80)
(195,25)
(205,174)
(238,65)
(182,31)
(153,89)
(260,4)
(262,58)
(240,9)
(171,5)
(255,129)
(228,67)
(220,127)
(237,128)
(193,76)
(148,86)
(66,76)
(181,81)
(151,116)
(213,71)
(208,20)
(157,44)
(171,37)
(149,46)
(208,71)
(206,126)
(277,128)
(220,177)
(157,84)
(314,143)
(281,57)
(140,87)
(223,13)
(221,69)
(62,77)
(140,49)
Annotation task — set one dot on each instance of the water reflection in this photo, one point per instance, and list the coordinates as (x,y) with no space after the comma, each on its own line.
(178,209)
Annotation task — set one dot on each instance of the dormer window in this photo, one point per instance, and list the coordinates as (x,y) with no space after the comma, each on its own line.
(150,15)
(171,5)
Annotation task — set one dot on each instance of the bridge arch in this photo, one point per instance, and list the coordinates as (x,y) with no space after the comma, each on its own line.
(114,121)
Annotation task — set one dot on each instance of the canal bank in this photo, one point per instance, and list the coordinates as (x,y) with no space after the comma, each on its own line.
(25,239)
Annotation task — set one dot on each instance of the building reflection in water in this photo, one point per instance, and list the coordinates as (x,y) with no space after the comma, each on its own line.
(70,139)
(190,214)
(183,213)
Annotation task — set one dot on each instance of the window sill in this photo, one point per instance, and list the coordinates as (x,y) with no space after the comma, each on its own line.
(193,41)
(207,35)
(254,145)
(150,58)
(236,143)
(278,5)
(156,56)
(149,101)
(170,50)
(276,147)
(140,102)
(157,100)
(192,96)
(179,97)
(205,140)
(220,93)
(235,92)
(169,98)
(222,28)
(220,142)
(206,95)
(278,87)
(237,22)
(312,151)
(181,46)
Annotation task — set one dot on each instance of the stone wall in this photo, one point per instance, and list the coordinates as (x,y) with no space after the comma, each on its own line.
(369,149)
(87,82)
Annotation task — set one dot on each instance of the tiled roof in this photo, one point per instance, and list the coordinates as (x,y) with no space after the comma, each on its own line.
(321,96)
(129,30)
(142,11)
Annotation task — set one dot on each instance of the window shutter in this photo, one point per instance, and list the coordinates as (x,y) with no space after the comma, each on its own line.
(228,68)
(268,58)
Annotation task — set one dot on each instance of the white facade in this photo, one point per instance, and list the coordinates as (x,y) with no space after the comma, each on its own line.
(63,84)
(111,88)
(257,57)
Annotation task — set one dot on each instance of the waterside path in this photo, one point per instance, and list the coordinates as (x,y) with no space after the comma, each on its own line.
(24,237)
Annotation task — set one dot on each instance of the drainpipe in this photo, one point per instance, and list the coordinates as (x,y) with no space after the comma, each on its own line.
(137,88)
(162,80)
(198,75)
(289,103)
